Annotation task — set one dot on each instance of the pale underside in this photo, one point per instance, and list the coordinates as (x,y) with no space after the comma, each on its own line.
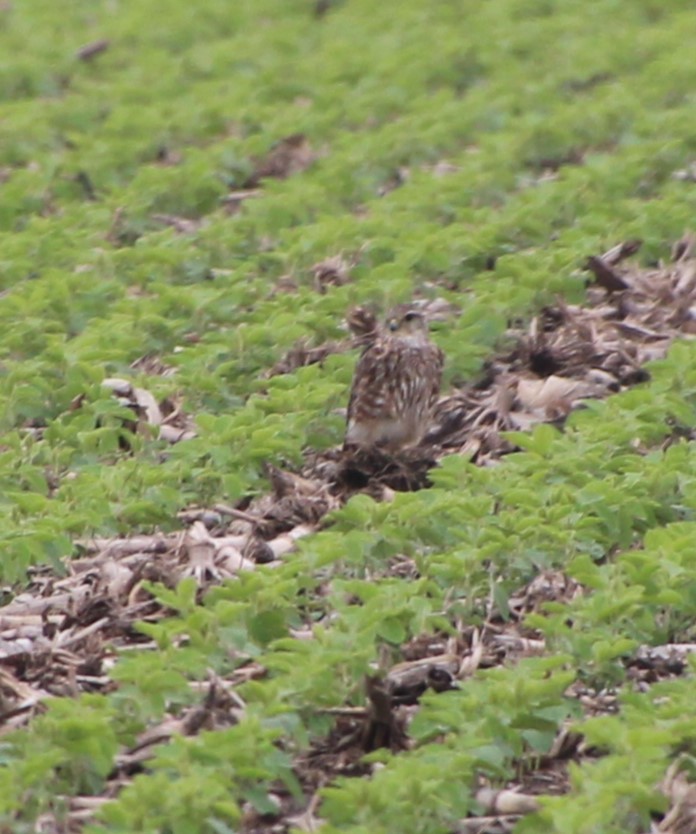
(389,433)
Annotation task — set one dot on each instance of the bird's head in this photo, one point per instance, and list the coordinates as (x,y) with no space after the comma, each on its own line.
(406,323)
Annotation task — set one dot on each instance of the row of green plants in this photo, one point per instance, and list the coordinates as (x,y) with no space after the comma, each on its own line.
(561,136)
(243,328)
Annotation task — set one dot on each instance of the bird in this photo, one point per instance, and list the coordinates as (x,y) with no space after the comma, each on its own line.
(396,384)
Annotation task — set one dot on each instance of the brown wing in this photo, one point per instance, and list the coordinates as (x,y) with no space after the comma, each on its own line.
(369,395)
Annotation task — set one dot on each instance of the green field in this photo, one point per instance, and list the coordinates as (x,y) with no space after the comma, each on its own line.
(157,225)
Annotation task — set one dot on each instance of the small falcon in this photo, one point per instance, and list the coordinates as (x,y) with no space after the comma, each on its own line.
(395,385)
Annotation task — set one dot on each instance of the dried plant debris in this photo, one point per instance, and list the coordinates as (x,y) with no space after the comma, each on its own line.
(372,469)
(407,681)
(681,793)
(603,266)
(547,586)
(499,807)
(391,703)
(363,324)
(400,176)
(333,271)
(654,663)
(182,225)
(570,353)
(295,502)
(383,726)
(59,636)
(233,201)
(152,365)
(167,417)
(301,354)
(287,157)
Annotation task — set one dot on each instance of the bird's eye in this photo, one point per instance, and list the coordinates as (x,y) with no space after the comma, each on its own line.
(410,316)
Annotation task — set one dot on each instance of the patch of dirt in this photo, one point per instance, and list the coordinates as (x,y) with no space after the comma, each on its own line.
(152,365)
(574,156)
(400,176)
(582,85)
(288,156)
(60,636)
(182,225)
(89,51)
(301,354)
